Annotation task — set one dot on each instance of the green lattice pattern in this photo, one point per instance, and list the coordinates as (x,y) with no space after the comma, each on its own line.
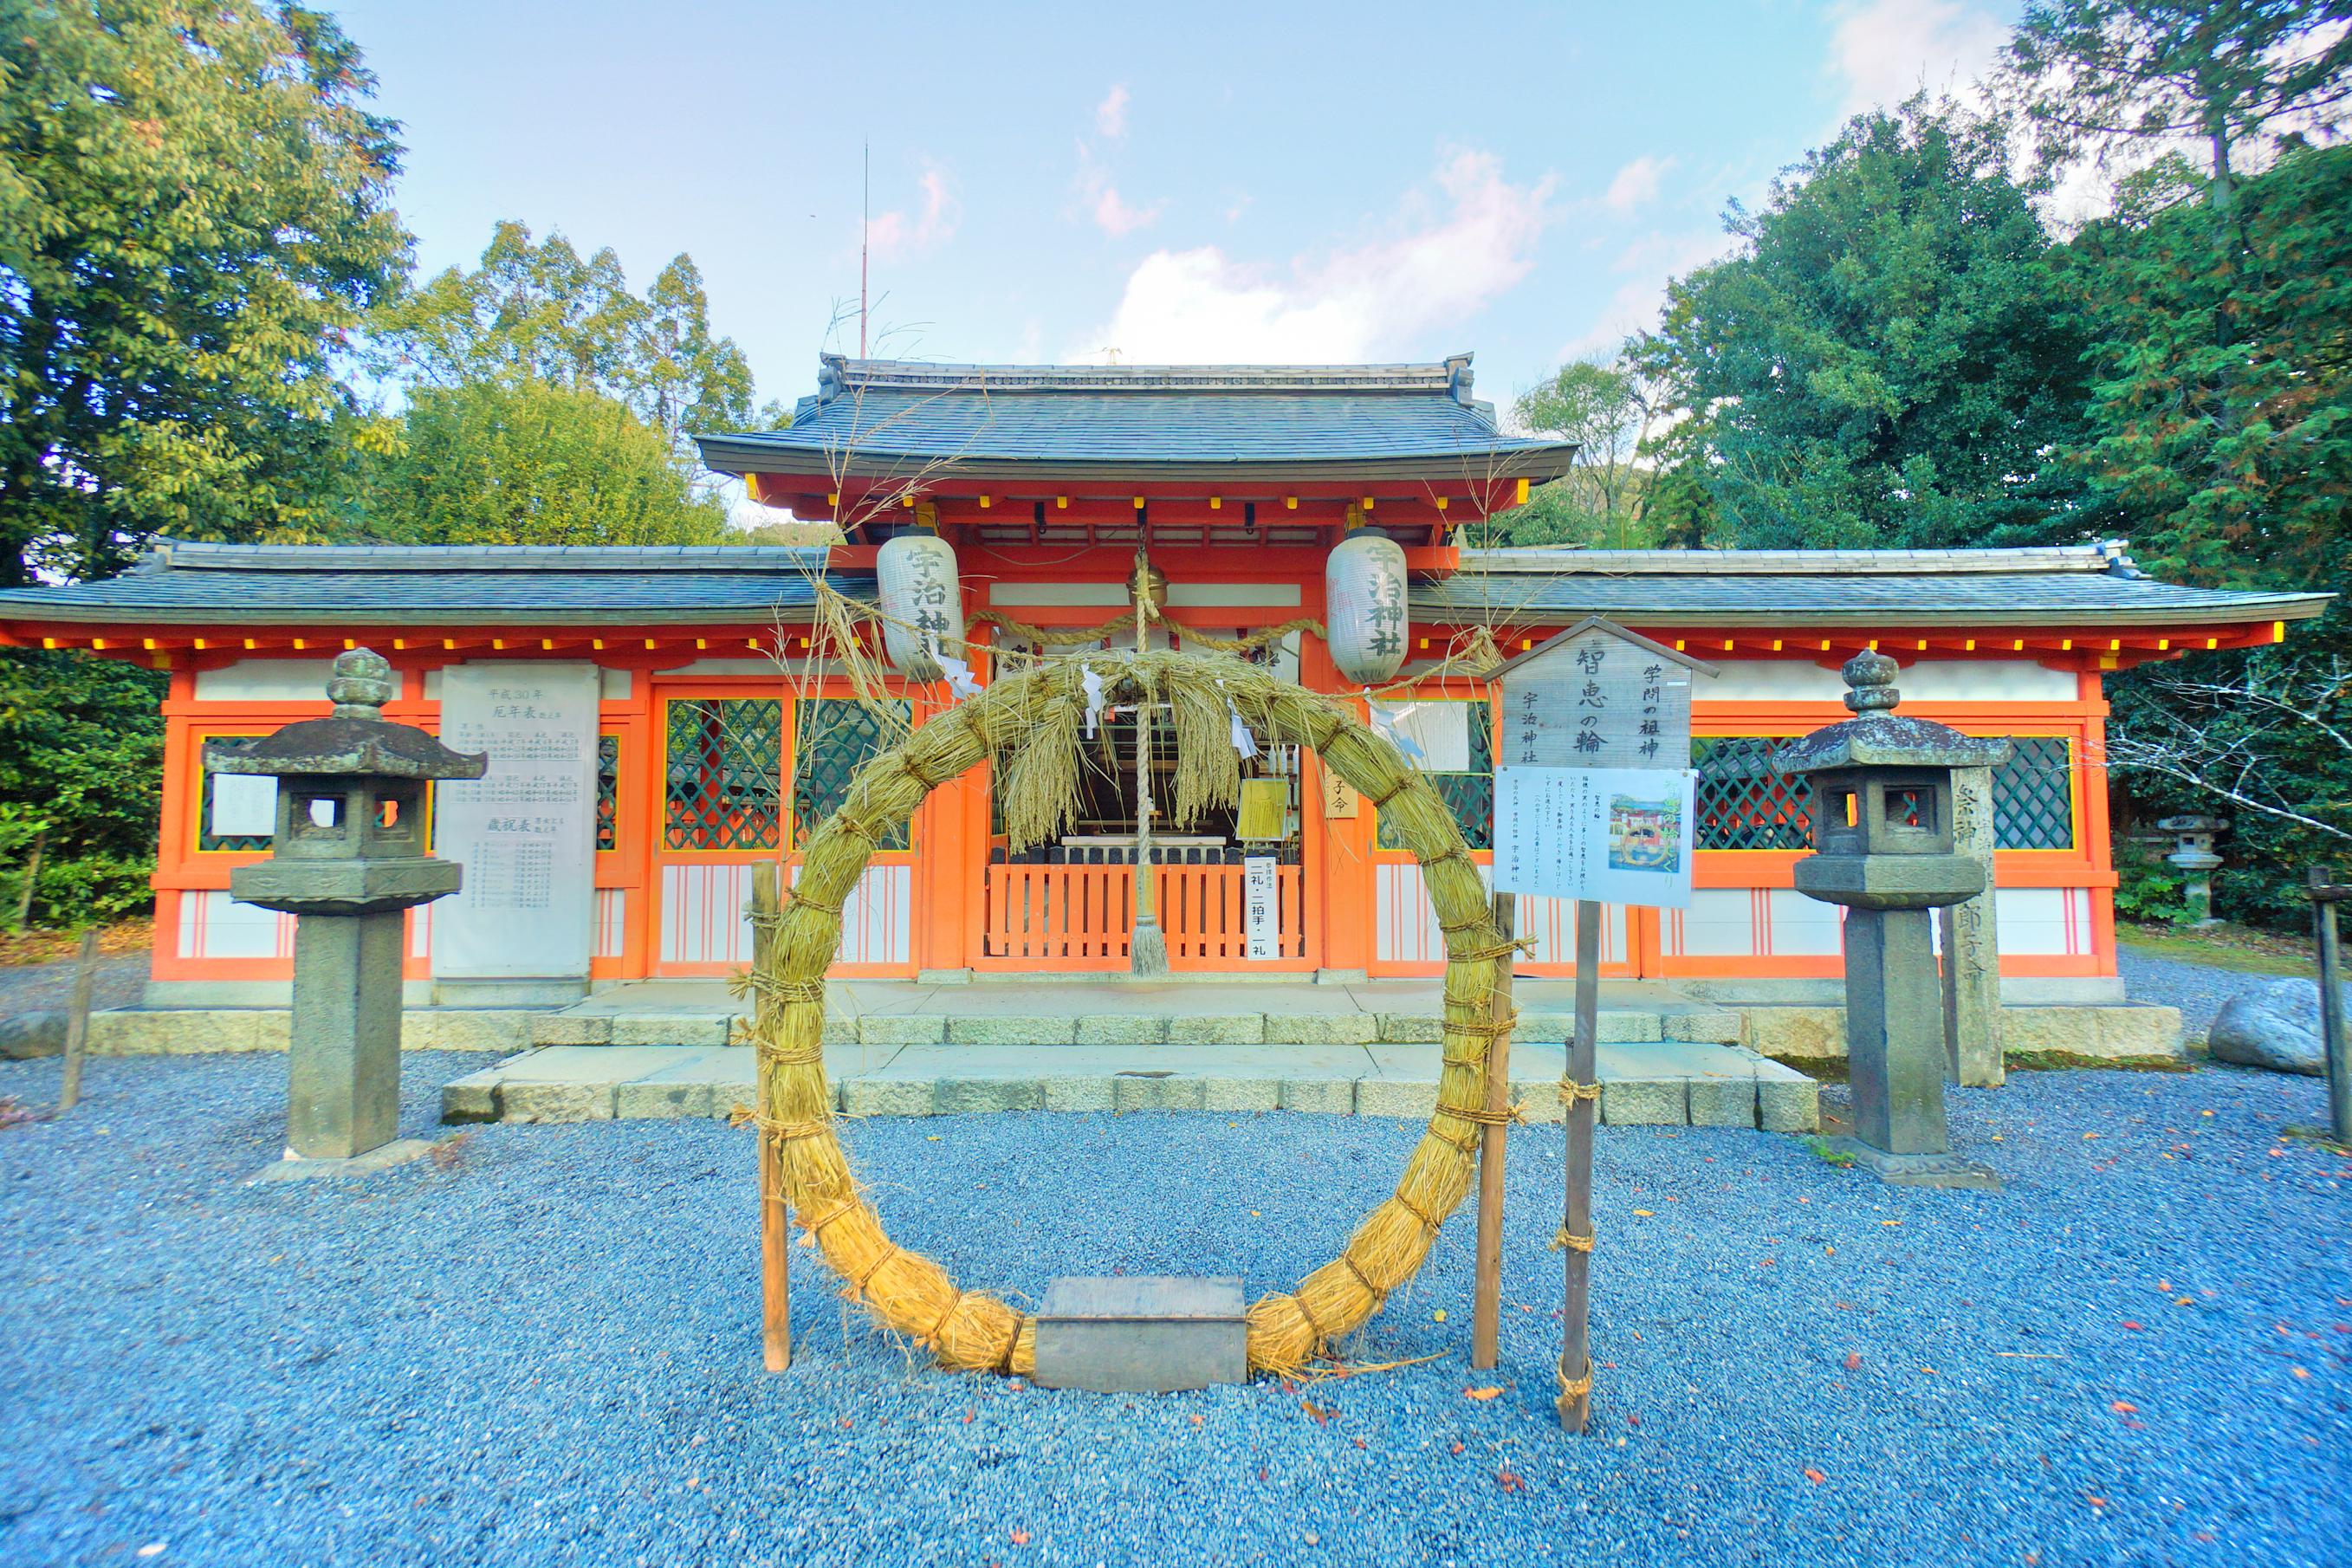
(1743,803)
(206,837)
(608,792)
(835,737)
(1470,796)
(2033,794)
(724,786)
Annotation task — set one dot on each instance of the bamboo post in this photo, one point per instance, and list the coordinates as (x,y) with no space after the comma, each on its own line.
(32,877)
(78,1017)
(1576,1227)
(1147,947)
(1487,1300)
(2333,1043)
(775,1221)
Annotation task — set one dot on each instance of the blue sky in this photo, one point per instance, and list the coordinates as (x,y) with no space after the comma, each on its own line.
(1194,183)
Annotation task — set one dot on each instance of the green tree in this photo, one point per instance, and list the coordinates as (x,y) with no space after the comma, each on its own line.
(2092,77)
(81,768)
(1601,405)
(193,212)
(2219,416)
(1885,359)
(526,461)
(534,310)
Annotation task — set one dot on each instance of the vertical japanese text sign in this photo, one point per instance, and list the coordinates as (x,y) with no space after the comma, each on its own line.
(1595,797)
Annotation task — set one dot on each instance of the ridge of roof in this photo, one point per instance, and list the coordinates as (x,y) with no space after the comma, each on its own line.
(184,554)
(2109,557)
(837,375)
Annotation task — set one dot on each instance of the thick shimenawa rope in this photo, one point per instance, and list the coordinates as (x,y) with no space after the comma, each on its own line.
(912,1294)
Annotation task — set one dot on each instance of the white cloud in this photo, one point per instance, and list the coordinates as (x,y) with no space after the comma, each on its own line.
(895,235)
(1883,51)
(1452,257)
(1636,183)
(1110,114)
(1110,212)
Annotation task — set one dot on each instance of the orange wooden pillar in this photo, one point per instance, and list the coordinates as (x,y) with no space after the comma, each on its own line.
(1343,850)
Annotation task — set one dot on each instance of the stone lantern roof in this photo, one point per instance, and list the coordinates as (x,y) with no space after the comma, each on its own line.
(355,738)
(1877,738)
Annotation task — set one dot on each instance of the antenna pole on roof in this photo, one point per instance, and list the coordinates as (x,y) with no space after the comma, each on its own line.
(864,231)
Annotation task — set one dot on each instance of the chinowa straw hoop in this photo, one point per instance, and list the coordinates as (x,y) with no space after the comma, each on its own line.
(1009,720)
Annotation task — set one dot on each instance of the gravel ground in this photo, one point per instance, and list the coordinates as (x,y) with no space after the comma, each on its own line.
(2198,990)
(45,987)
(545,1349)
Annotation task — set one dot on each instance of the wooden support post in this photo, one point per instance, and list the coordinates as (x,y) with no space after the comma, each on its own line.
(2334,1045)
(78,1017)
(775,1222)
(32,877)
(1487,1299)
(1576,1161)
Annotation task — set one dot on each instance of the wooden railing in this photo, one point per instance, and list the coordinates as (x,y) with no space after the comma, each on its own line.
(1078,917)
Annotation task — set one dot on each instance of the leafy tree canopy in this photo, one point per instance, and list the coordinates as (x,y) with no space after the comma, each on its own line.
(526,461)
(537,310)
(2095,76)
(1603,407)
(194,212)
(2219,415)
(1883,363)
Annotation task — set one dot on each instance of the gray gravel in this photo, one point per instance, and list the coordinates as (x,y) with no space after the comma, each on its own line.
(47,987)
(547,1351)
(2198,990)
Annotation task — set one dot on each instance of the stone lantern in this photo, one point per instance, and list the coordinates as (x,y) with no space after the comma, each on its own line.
(1883,847)
(348,859)
(2193,852)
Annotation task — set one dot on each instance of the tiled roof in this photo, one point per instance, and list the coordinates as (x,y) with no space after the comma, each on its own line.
(371,585)
(879,417)
(2079,585)
(183,583)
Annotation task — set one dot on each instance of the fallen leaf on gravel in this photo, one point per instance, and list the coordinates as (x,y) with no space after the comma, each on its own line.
(1643,1212)
(1322,1416)
(1853,1361)
(2130,1324)
(1455,1450)
(2124,1407)
(2301,1372)
(1361,1444)
(2095,1502)
(1438,1316)
(969,1416)
(1020,1538)
(1510,1480)
(1199,1420)
(1480,1392)
(1815,1476)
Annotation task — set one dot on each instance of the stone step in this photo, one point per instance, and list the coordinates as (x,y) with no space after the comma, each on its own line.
(1656,1083)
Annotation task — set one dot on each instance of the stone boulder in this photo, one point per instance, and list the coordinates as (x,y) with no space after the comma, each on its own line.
(27,1034)
(2275,1027)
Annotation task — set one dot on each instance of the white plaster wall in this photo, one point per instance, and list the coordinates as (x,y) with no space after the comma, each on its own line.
(1929,680)
(265,680)
(1406,931)
(703,919)
(614,685)
(214,925)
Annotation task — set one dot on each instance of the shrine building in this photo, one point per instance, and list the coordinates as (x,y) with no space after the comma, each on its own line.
(721,728)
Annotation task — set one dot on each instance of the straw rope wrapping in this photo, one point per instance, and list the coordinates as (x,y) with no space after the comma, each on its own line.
(912,1294)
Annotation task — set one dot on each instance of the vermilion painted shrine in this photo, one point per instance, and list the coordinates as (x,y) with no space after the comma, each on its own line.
(1237,482)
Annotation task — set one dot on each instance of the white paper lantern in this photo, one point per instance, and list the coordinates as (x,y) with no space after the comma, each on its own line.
(1364,607)
(923,608)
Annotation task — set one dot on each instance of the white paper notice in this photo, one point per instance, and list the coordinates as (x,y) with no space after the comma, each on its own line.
(1616,836)
(245,805)
(1262,896)
(525,831)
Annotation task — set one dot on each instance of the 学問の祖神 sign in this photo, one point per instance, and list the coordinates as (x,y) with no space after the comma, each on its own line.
(1594,795)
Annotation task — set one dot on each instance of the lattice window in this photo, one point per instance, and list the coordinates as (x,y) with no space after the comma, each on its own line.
(1744,803)
(1470,795)
(207,839)
(723,785)
(2033,794)
(834,737)
(608,792)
